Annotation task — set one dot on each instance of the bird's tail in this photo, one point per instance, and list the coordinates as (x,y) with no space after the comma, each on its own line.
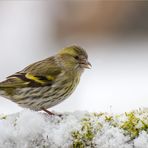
(2,90)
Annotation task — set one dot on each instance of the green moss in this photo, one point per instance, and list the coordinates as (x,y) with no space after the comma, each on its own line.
(134,125)
(109,118)
(3,117)
(84,136)
(77,140)
(98,114)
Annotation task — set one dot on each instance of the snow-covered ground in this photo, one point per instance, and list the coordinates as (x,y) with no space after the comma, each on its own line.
(29,129)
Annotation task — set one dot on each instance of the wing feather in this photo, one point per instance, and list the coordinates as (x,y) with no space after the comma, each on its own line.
(41,73)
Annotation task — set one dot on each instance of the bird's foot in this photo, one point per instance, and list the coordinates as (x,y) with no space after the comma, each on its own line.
(50,113)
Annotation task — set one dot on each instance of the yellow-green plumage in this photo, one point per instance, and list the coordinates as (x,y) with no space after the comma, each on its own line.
(48,82)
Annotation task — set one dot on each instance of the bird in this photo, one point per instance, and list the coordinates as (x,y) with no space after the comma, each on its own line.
(48,82)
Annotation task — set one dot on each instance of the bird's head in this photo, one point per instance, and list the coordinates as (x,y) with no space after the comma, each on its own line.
(76,56)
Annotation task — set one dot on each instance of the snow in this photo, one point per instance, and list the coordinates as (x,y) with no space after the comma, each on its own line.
(142,141)
(112,138)
(29,129)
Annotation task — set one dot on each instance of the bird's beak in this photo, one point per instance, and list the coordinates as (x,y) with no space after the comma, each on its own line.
(87,65)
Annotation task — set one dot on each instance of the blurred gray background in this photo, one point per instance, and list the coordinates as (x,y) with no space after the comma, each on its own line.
(114,33)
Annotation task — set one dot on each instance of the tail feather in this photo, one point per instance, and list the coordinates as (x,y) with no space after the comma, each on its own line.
(2,92)
(9,83)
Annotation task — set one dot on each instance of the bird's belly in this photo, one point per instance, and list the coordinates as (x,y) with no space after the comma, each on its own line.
(41,97)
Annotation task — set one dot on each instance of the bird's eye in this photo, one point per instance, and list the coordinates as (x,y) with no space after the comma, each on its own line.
(76,57)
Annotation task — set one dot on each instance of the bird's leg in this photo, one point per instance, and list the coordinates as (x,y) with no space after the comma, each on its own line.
(48,112)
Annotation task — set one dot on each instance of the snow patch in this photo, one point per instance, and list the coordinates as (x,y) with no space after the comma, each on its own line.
(29,129)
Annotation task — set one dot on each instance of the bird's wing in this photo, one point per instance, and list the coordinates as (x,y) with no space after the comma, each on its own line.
(41,73)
